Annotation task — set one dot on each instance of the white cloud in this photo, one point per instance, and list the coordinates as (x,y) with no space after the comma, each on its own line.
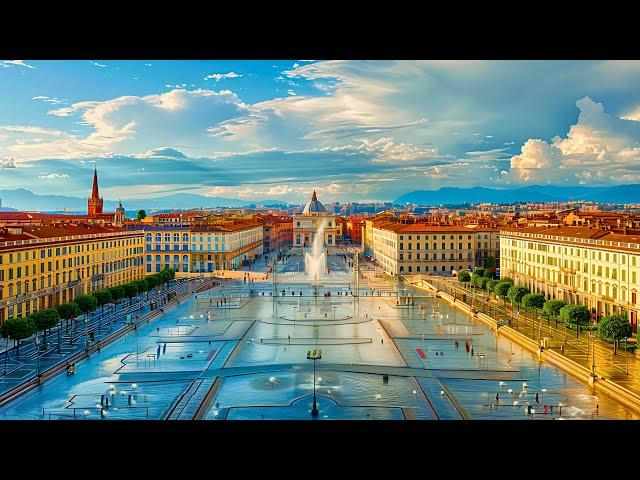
(536,162)
(599,147)
(219,76)
(101,65)
(18,63)
(53,176)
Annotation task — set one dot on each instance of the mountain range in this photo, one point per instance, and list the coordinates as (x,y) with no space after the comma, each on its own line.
(22,199)
(533,193)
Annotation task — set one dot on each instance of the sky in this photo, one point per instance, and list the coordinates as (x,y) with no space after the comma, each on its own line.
(351,130)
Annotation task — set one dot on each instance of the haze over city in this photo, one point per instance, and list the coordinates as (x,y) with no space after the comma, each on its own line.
(351,130)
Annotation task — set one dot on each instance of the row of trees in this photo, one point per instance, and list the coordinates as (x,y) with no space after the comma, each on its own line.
(610,328)
(43,320)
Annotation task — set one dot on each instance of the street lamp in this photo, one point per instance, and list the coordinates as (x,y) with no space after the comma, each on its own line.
(314,355)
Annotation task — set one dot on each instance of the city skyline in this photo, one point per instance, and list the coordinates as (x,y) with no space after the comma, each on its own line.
(352,130)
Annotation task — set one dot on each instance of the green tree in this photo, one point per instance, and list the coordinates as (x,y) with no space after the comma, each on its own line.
(533,300)
(142,285)
(87,303)
(152,281)
(552,307)
(575,315)
(502,288)
(141,215)
(464,276)
(489,274)
(172,272)
(69,311)
(490,285)
(478,271)
(481,282)
(103,297)
(165,274)
(614,328)
(44,320)
(116,293)
(18,329)
(515,293)
(130,290)
(490,266)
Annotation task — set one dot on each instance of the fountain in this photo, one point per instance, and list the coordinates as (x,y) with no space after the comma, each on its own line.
(315,262)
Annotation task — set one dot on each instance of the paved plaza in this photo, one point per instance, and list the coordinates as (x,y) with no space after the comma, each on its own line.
(239,351)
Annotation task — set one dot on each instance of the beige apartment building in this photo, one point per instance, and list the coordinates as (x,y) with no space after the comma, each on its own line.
(46,265)
(581,265)
(430,249)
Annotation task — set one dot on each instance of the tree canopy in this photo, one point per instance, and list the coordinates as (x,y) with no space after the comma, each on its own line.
(614,327)
(552,307)
(575,315)
(87,303)
(69,311)
(464,276)
(516,293)
(141,215)
(533,300)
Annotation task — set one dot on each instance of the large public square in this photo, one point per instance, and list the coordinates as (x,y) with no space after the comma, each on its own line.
(239,352)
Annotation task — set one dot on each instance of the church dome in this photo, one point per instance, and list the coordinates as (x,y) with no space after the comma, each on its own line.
(314,206)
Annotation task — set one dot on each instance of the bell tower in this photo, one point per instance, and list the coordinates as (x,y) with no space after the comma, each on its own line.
(94,202)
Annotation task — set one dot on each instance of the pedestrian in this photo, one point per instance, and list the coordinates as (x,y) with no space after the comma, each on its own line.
(472,350)
(497,397)
(289,338)
(545,409)
(456,343)
(537,401)
(382,340)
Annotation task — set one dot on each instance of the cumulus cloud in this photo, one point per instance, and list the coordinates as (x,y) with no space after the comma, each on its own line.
(537,161)
(599,147)
(219,76)
(101,65)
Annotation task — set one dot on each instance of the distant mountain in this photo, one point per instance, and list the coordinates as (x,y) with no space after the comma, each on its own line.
(537,193)
(22,199)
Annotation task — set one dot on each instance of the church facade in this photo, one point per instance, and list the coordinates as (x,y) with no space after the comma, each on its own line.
(307,223)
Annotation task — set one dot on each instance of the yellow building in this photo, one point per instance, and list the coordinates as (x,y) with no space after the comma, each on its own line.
(225,247)
(430,249)
(44,266)
(579,265)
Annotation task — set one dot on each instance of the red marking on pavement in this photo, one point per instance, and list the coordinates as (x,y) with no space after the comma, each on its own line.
(212,354)
(421,353)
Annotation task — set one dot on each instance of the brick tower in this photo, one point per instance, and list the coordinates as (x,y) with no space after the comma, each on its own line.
(94,203)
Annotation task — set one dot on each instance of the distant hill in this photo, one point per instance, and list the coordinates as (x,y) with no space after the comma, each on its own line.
(537,193)
(22,199)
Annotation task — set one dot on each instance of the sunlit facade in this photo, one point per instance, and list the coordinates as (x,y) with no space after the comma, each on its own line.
(580,265)
(44,266)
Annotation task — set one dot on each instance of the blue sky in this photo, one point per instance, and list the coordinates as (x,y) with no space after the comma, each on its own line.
(352,130)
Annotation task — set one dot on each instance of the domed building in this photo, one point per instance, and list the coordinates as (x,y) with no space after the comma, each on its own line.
(313,206)
(307,223)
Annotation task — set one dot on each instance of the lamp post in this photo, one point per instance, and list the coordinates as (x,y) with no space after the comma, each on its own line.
(314,355)
(37,342)
(626,357)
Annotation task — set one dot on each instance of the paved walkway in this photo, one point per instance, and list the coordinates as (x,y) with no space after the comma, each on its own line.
(622,368)
(63,342)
